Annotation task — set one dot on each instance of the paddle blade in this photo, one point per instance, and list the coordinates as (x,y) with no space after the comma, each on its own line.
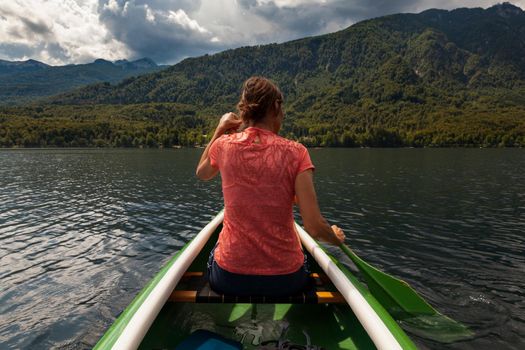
(400,300)
(404,304)
(437,327)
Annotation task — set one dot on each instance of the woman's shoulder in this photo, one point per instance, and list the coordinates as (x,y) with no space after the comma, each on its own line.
(291,144)
(227,138)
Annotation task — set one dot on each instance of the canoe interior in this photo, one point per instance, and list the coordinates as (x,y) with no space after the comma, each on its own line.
(329,326)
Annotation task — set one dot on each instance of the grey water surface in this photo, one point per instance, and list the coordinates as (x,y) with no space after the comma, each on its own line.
(82,231)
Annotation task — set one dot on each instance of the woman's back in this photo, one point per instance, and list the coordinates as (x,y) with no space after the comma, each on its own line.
(258,170)
(258,252)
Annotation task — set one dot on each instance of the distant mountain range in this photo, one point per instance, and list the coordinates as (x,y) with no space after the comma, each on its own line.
(14,67)
(436,78)
(22,81)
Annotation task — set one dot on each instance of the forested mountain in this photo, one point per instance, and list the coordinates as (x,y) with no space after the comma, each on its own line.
(26,80)
(436,78)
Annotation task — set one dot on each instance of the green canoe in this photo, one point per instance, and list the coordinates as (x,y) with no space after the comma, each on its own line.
(177,310)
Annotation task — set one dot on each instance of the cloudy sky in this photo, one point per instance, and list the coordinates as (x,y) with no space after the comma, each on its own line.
(78,31)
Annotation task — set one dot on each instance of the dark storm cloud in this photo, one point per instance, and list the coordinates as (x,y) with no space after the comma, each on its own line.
(316,18)
(36,27)
(39,30)
(30,26)
(160,30)
(20,50)
(57,51)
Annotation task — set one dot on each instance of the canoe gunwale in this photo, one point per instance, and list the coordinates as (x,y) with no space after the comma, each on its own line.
(384,332)
(132,325)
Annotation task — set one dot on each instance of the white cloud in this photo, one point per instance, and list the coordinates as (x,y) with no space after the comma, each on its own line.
(112,6)
(150,17)
(56,32)
(234,25)
(181,18)
(291,3)
(163,33)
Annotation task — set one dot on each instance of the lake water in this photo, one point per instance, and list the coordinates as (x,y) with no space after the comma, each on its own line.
(81,232)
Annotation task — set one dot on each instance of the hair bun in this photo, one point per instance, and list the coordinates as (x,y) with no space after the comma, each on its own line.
(258,97)
(248,107)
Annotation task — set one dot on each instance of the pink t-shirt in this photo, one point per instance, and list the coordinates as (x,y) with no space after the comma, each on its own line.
(258,170)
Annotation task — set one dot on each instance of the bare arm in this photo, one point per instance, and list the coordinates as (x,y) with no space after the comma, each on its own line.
(314,222)
(205,171)
(228,122)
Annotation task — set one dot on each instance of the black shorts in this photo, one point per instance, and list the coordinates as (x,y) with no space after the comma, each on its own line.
(229,283)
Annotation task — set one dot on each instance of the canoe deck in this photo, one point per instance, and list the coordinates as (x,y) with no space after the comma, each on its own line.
(327,325)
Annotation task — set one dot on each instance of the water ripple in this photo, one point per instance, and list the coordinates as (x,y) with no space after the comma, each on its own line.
(452,227)
(83,230)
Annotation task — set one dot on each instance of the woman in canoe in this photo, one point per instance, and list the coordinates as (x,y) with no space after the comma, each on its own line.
(258,251)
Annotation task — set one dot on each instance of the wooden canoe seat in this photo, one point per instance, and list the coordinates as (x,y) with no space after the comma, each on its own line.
(199,291)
